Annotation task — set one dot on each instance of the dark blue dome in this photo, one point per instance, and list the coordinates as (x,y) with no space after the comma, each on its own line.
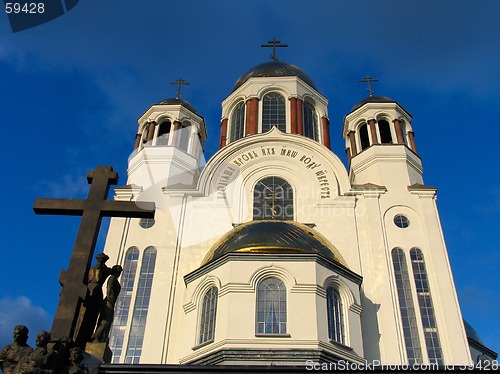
(372,99)
(274,69)
(175,101)
(471,333)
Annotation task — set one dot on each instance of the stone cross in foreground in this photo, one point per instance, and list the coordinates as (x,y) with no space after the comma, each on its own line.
(74,280)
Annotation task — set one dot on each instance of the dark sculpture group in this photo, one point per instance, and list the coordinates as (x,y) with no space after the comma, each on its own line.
(65,356)
(20,358)
(83,316)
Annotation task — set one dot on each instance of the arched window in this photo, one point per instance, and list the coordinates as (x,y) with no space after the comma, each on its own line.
(363,136)
(385,132)
(237,122)
(408,317)
(335,316)
(141,306)
(273,199)
(273,112)
(163,133)
(122,307)
(271,307)
(426,307)
(208,314)
(310,121)
(184,136)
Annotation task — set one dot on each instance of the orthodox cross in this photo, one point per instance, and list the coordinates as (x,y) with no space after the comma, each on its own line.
(74,280)
(179,82)
(369,79)
(274,44)
(273,201)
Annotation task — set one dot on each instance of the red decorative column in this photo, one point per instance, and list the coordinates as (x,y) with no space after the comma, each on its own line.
(326,131)
(300,121)
(411,138)
(352,139)
(373,131)
(151,131)
(137,141)
(252,115)
(223,133)
(399,132)
(348,153)
(293,115)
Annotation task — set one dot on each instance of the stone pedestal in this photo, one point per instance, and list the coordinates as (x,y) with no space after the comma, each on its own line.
(100,351)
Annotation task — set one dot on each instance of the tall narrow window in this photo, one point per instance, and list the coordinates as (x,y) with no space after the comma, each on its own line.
(141,306)
(184,136)
(363,136)
(385,132)
(163,133)
(273,199)
(271,307)
(426,307)
(273,112)
(145,134)
(335,316)
(310,121)
(408,317)
(208,314)
(122,307)
(237,122)
(403,131)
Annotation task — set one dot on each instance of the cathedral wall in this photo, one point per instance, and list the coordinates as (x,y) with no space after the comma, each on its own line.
(379,235)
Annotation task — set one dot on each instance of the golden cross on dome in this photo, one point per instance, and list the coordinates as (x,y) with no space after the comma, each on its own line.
(274,44)
(368,80)
(179,82)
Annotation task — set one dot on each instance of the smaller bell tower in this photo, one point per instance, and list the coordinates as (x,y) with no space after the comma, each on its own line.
(380,143)
(404,239)
(168,144)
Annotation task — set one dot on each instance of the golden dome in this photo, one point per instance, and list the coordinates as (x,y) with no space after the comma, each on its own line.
(270,236)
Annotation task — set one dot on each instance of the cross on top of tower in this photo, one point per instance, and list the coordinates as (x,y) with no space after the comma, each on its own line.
(179,82)
(274,44)
(368,79)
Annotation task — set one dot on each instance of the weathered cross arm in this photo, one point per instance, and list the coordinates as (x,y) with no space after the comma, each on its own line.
(61,207)
(76,207)
(128,209)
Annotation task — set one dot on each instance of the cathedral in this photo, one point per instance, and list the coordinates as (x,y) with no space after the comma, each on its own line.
(272,251)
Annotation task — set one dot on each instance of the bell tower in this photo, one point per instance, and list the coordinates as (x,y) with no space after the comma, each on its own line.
(403,241)
(168,144)
(380,143)
(275,94)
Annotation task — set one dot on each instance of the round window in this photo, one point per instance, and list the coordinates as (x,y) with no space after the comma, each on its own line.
(146,223)
(401,221)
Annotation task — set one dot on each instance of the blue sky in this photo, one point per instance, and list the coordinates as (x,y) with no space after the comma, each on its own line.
(71,92)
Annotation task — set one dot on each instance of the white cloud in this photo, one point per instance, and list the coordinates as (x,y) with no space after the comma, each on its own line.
(69,186)
(20,311)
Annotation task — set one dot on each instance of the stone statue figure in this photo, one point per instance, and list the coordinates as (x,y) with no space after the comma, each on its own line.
(107,311)
(41,360)
(75,362)
(11,354)
(96,278)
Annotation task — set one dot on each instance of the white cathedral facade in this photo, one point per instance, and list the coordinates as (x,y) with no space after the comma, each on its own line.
(273,252)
